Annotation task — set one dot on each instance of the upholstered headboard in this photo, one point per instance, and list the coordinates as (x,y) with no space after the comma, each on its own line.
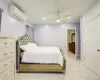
(25,39)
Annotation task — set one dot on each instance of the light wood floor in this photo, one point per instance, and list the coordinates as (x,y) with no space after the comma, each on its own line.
(71,54)
(75,71)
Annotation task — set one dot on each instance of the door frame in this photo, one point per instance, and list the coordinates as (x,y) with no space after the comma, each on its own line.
(76,41)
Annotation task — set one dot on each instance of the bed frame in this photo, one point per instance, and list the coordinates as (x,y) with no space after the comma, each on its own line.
(49,68)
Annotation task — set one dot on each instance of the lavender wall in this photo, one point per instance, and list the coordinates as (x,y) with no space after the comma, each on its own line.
(53,35)
(9,25)
(30,32)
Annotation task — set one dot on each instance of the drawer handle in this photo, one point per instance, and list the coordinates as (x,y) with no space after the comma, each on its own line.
(10,43)
(5,65)
(5,75)
(11,52)
(5,43)
(11,61)
(11,70)
(98,14)
(5,54)
(98,50)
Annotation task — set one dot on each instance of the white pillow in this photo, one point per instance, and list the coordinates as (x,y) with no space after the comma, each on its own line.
(32,44)
(24,47)
(27,47)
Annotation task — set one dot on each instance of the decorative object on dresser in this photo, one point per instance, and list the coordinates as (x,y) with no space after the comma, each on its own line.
(7,58)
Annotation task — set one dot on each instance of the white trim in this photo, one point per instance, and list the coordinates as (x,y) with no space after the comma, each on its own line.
(75,42)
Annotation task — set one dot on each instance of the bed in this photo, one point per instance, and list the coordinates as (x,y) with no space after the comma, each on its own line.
(40,59)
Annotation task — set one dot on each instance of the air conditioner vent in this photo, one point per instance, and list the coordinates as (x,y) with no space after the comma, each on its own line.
(16,13)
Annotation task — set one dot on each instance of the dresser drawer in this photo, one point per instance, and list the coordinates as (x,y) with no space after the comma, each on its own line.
(6,43)
(11,78)
(5,54)
(11,42)
(7,73)
(10,45)
(7,57)
(6,64)
(3,43)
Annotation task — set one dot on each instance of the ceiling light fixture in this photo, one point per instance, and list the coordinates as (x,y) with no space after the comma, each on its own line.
(58,20)
(69,17)
(43,18)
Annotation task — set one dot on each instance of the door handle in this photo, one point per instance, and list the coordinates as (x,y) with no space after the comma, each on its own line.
(98,50)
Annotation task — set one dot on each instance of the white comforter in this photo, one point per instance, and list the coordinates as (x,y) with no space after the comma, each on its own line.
(43,55)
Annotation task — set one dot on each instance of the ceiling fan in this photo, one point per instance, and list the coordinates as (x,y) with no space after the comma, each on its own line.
(58,19)
(58,16)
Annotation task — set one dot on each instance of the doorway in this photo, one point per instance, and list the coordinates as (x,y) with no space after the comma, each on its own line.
(71,42)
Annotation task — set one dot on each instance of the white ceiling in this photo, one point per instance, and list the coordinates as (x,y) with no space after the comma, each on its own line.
(36,9)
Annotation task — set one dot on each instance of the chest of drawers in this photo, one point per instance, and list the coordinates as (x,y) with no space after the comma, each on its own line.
(7,58)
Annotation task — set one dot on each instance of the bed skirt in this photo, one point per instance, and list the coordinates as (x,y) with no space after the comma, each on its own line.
(42,68)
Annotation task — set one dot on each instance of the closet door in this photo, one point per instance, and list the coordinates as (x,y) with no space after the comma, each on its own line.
(96,54)
(88,45)
(92,46)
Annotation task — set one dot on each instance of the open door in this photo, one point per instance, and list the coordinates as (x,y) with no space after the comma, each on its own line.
(72,42)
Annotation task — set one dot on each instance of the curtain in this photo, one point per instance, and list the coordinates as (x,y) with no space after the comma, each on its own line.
(30,31)
(0,18)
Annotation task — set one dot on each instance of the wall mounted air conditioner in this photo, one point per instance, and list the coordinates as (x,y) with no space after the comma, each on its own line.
(16,13)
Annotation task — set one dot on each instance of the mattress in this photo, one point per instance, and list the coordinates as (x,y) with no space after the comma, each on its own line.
(48,55)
